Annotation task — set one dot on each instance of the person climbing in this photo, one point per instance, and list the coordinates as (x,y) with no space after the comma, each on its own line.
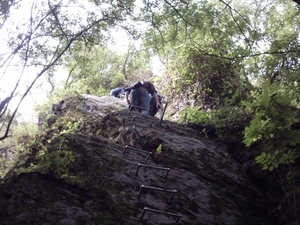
(117,92)
(139,97)
(152,104)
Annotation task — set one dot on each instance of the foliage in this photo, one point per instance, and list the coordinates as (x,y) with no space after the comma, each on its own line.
(55,160)
(21,133)
(37,43)
(227,123)
(218,53)
(290,186)
(47,151)
(98,70)
(200,46)
(271,162)
(272,124)
(209,81)
(158,149)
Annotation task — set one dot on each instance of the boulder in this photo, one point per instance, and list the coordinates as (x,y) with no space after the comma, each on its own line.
(96,162)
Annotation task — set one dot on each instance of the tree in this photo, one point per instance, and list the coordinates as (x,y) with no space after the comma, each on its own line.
(202,42)
(230,54)
(38,43)
(99,69)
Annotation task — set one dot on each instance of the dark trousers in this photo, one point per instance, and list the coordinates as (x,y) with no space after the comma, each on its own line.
(152,105)
(140,97)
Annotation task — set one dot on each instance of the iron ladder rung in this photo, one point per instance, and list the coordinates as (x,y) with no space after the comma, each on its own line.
(156,189)
(135,106)
(142,118)
(138,150)
(163,110)
(151,167)
(161,212)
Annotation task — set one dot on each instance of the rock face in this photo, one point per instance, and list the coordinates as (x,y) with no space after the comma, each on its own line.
(106,165)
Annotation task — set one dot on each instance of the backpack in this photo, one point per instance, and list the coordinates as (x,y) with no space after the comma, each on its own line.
(138,84)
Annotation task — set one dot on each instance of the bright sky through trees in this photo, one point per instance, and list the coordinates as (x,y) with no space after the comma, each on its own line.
(18,23)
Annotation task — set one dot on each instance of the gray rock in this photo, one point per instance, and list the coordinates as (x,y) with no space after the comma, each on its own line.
(204,185)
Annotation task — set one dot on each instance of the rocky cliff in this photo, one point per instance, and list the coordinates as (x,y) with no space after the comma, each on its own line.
(96,162)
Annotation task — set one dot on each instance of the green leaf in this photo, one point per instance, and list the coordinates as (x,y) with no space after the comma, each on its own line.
(263,155)
(265,167)
(158,149)
(271,168)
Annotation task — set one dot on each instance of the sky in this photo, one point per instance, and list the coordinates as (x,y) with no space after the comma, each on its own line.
(10,74)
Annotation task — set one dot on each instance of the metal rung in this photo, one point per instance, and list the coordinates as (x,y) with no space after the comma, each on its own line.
(134,128)
(135,106)
(161,212)
(137,149)
(163,111)
(156,189)
(143,118)
(151,167)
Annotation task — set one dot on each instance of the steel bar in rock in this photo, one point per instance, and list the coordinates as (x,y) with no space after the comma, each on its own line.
(152,167)
(142,118)
(163,111)
(135,106)
(138,150)
(134,128)
(178,216)
(156,189)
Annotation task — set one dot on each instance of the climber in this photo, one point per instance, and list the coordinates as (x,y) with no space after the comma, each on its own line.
(139,96)
(117,92)
(152,104)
